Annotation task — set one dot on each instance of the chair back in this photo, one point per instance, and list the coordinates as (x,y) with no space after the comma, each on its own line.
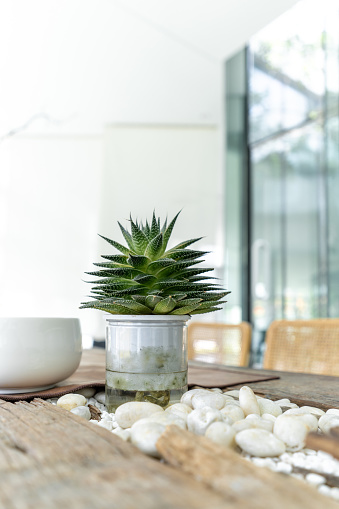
(304,346)
(219,343)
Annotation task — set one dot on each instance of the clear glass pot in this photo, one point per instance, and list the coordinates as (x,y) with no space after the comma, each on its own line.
(146,359)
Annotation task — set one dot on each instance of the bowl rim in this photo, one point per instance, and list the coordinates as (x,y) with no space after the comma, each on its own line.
(45,318)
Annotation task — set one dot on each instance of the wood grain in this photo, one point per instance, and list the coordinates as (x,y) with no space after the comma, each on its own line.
(327,443)
(301,388)
(242,484)
(51,458)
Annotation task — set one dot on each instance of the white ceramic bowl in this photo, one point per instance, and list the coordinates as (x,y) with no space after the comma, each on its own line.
(37,353)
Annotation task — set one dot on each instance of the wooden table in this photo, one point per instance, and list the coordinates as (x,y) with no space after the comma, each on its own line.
(51,458)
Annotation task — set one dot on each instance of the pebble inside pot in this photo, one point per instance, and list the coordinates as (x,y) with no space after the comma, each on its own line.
(149,292)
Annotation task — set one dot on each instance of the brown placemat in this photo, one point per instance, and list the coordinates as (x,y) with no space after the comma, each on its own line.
(208,376)
(91,373)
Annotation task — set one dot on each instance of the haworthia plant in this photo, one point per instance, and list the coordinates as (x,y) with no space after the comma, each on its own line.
(146,278)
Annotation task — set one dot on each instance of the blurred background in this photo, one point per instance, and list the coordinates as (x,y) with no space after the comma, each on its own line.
(227,110)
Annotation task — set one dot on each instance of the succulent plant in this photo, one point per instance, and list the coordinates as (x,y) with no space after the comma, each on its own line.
(145,278)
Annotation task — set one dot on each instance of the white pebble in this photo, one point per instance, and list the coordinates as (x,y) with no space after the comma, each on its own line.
(82,411)
(333,411)
(180,408)
(186,398)
(234,393)
(263,462)
(221,433)
(233,412)
(291,430)
(210,399)
(259,442)
(105,415)
(125,434)
(252,416)
(167,419)
(100,396)
(288,407)
(88,392)
(310,452)
(232,402)
(128,413)
(106,424)
(313,410)
(282,402)
(229,399)
(325,490)
(315,479)
(285,468)
(335,493)
(248,401)
(269,417)
(53,401)
(200,419)
(144,435)
(328,421)
(269,407)
(69,401)
(253,423)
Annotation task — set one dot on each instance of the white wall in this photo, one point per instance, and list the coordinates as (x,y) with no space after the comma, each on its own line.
(69,70)
(165,168)
(87,63)
(49,196)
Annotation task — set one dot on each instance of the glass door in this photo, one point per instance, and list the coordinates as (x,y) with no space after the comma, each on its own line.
(291,184)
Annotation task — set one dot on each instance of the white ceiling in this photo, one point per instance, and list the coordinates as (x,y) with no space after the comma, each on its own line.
(83,64)
(217,28)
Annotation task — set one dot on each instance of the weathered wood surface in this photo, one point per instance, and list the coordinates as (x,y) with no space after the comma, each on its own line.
(327,443)
(51,458)
(242,484)
(301,388)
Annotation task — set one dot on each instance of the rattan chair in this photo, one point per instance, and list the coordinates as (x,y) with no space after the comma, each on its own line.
(304,346)
(219,343)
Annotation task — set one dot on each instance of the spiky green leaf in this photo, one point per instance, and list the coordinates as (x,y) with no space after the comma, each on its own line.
(175,267)
(116,258)
(155,230)
(153,248)
(141,299)
(138,261)
(110,265)
(165,306)
(147,231)
(125,272)
(145,279)
(190,273)
(185,310)
(134,306)
(156,266)
(119,247)
(169,230)
(152,301)
(199,311)
(184,254)
(187,302)
(139,239)
(128,238)
(184,244)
